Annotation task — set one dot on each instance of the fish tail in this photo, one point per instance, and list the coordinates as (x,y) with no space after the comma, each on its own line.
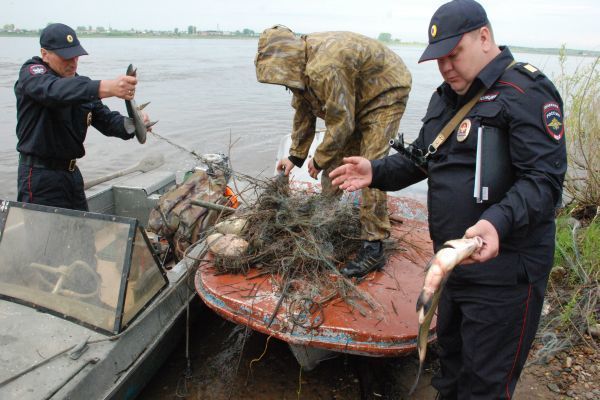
(414,386)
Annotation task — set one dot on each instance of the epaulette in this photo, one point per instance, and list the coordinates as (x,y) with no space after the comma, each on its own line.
(528,70)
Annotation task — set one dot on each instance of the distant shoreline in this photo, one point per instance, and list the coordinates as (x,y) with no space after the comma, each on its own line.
(161,35)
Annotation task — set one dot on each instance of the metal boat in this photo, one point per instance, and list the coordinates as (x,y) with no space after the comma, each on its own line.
(87,309)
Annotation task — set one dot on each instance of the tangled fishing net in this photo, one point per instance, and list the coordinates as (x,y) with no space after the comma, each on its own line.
(296,233)
(300,238)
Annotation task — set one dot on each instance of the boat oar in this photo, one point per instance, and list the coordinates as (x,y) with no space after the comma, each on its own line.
(146,164)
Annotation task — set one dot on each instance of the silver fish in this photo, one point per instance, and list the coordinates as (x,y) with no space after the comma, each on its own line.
(451,254)
(133,111)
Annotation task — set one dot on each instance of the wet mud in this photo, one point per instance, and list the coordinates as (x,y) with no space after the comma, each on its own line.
(226,363)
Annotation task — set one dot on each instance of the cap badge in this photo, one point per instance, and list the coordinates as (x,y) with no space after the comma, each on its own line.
(433,30)
(463,130)
(69,38)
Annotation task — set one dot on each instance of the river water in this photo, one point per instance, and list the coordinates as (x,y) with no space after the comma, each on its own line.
(205,95)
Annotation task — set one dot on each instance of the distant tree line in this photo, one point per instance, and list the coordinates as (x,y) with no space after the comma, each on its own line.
(101,30)
(387,38)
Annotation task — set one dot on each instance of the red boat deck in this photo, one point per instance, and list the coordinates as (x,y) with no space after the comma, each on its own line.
(389,329)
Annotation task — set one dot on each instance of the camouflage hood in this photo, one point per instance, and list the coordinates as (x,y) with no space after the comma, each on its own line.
(281,58)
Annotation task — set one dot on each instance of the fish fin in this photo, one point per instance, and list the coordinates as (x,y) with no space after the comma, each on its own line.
(142,106)
(424,302)
(421,300)
(429,264)
(427,306)
(149,124)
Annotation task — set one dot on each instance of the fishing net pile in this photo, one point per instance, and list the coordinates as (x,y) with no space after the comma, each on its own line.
(299,237)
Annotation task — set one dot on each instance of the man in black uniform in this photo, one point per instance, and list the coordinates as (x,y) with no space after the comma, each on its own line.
(489,310)
(55,107)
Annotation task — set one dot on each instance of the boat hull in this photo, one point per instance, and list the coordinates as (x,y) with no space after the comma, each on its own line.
(388,329)
(36,360)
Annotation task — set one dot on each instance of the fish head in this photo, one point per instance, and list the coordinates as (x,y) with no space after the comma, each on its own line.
(464,247)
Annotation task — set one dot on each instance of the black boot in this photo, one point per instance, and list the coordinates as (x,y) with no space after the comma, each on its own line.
(370,257)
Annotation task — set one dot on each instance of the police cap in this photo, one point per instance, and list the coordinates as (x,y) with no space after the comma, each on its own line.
(448,25)
(62,40)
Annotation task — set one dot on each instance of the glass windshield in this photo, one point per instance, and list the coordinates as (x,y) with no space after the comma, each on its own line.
(77,264)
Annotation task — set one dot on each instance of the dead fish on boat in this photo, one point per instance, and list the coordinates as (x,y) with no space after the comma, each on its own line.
(452,253)
(133,111)
(227,245)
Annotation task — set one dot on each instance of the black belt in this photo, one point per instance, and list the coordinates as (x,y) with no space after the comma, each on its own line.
(52,163)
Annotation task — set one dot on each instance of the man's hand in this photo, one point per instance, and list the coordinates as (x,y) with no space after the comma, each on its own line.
(354,174)
(312,171)
(285,165)
(491,242)
(122,87)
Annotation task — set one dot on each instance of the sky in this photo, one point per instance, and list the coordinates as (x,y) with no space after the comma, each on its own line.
(531,23)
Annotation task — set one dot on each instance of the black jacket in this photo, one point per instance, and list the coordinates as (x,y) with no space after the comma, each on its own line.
(523,104)
(53,113)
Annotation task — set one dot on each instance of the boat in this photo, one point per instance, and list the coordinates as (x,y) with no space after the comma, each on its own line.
(385,330)
(88,310)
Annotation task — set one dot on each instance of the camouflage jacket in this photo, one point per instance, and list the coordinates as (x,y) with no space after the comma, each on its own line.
(337,76)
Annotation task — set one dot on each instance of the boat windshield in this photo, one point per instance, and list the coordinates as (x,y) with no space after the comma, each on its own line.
(93,269)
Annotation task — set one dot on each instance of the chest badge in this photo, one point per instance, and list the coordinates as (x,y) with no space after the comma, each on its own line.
(463,130)
(89,118)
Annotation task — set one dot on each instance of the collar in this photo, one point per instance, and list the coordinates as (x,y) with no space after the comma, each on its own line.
(494,70)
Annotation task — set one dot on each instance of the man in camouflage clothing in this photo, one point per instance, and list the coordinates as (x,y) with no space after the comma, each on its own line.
(359,88)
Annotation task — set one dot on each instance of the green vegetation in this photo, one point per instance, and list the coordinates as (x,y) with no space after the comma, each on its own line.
(581,92)
(574,291)
(555,51)
(384,37)
(192,32)
(387,38)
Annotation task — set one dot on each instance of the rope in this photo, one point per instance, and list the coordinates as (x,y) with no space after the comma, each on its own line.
(261,356)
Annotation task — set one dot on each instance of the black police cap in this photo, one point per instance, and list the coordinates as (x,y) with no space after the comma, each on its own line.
(448,25)
(62,40)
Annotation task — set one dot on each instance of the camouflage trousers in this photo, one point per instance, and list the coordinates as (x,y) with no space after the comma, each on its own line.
(370,140)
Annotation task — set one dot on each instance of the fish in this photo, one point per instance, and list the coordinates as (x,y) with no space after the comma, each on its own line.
(451,254)
(133,111)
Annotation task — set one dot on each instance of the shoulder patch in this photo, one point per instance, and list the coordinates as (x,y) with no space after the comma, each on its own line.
(553,120)
(37,69)
(529,70)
